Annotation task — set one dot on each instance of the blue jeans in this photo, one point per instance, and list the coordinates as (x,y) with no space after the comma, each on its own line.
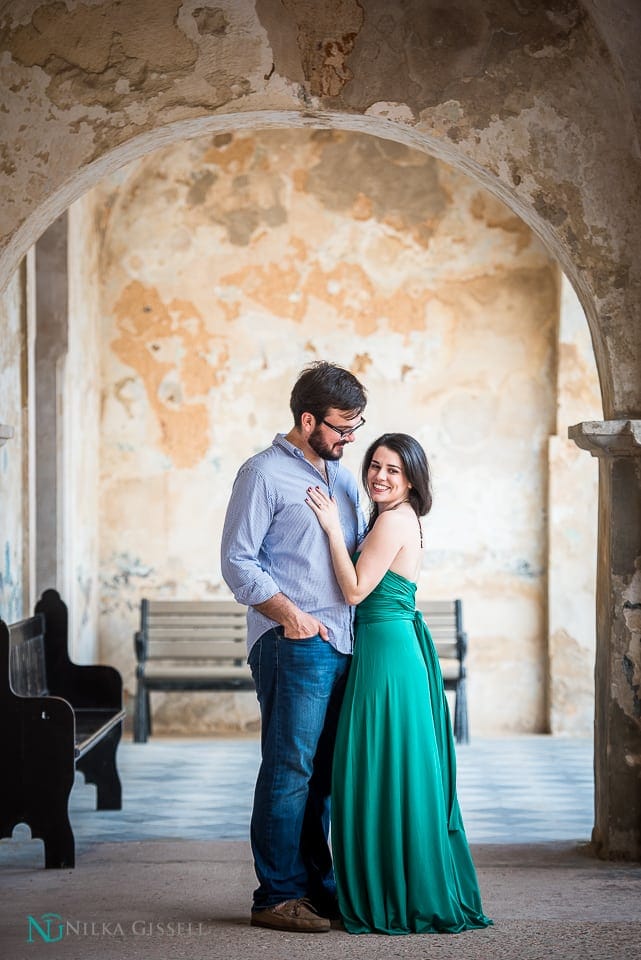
(300,686)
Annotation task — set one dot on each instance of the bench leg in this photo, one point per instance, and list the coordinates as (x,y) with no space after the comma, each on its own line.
(461,725)
(60,848)
(48,815)
(36,745)
(49,823)
(99,767)
(141,713)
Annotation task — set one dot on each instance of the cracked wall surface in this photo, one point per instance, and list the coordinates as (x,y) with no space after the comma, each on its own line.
(538,101)
(13,590)
(228,262)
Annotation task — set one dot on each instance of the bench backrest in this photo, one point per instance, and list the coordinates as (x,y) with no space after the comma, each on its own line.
(445,621)
(27,666)
(194,630)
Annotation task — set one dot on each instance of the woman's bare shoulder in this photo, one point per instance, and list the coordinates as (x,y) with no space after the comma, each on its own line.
(397,523)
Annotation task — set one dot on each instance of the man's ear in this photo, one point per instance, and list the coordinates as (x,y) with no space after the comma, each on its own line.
(307,423)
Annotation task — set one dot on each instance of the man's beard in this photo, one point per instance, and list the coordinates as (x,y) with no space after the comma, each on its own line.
(325,450)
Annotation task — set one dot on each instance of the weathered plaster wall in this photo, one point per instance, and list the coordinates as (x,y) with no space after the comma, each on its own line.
(229,262)
(572,532)
(488,86)
(75,403)
(81,433)
(536,101)
(13,596)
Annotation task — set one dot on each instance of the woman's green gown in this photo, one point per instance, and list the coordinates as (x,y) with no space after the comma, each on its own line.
(401,857)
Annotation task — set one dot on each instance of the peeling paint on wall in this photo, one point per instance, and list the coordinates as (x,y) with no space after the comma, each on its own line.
(325,35)
(13,537)
(433,292)
(104,42)
(397,186)
(168,346)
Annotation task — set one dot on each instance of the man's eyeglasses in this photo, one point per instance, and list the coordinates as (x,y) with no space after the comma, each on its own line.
(344,431)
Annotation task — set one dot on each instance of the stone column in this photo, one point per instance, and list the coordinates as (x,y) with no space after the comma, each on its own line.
(6,433)
(50,352)
(617,728)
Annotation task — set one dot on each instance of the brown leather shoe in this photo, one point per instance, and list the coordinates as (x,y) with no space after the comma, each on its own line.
(295,916)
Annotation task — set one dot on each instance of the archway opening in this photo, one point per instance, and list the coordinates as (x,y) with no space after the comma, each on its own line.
(288,267)
(228,262)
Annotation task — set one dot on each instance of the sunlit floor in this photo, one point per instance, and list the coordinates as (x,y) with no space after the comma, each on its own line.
(529,789)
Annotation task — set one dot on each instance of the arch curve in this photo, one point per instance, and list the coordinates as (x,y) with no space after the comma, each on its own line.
(533,103)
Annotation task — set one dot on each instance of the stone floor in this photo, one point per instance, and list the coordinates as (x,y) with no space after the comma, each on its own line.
(170,876)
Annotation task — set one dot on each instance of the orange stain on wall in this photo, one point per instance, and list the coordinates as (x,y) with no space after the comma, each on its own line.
(232,154)
(170,349)
(289,288)
(275,287)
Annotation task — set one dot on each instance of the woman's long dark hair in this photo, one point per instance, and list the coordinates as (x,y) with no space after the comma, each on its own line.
(416,469)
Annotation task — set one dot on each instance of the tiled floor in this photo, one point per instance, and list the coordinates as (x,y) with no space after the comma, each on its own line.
(529,789)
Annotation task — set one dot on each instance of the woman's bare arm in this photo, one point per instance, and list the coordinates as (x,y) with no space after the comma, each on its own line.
(389,534)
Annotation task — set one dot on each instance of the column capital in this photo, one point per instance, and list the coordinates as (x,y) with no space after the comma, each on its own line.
(6,433)
(608,438)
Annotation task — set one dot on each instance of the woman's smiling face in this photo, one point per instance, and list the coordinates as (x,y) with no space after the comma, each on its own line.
(387,484)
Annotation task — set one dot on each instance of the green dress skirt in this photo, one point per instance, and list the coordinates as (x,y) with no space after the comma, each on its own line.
(401,857)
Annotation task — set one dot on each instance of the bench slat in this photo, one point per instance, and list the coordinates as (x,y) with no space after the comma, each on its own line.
(27,668)
(436,606)
(196,672)
(447,633)
(231,650)
(447,622)
(197,650)
(177,633)
(192,607)
(439,623)
(193,620)
(446,648)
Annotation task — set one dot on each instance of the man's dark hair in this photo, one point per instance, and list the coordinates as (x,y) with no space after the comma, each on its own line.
(323,385)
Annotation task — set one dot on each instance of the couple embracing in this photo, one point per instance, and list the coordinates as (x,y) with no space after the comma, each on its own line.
(348,681)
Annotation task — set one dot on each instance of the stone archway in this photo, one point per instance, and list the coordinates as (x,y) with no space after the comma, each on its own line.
(533,103)
(537,104)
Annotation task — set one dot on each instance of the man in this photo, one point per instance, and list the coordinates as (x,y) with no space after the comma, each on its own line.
(275,559)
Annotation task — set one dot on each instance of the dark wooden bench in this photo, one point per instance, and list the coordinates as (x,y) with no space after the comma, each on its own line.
(445,621)
(188,645)
(55,716)
(200,645)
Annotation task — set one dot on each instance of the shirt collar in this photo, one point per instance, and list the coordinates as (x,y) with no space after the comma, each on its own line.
(280,440)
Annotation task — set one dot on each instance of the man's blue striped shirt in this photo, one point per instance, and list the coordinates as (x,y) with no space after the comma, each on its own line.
(272,542)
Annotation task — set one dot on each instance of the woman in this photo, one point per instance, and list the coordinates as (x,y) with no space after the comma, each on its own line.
(401,856)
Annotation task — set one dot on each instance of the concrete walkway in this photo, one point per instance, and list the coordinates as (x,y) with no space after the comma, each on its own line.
(188,897)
